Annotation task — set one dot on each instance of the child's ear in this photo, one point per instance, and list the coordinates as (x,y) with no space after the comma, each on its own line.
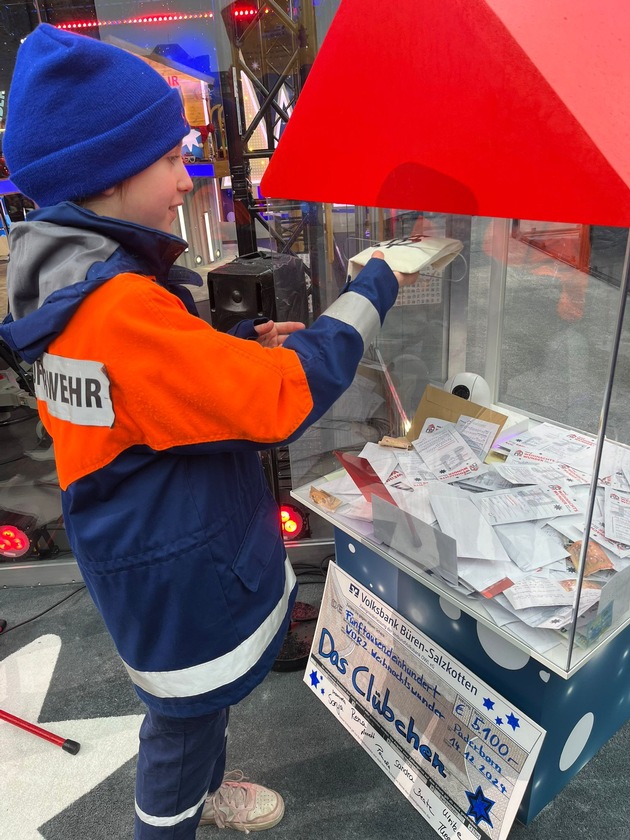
(109,191)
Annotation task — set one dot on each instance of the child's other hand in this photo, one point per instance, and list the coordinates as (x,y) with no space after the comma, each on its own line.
(274,333)
(403,279)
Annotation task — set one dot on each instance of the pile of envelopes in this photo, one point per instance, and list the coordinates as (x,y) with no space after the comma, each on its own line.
(498,516)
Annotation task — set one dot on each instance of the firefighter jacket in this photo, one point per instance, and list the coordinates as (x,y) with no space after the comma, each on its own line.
(157,420)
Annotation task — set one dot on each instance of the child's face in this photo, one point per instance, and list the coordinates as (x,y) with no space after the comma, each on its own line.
(151,197)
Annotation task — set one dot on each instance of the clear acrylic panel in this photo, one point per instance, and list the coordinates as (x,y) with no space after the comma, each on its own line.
(496,524)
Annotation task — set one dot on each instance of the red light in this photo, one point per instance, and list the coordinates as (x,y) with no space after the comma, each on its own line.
(293,522)
(244,12)
(142,20)
(13,541)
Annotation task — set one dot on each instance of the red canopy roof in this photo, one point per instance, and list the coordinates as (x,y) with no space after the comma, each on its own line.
(481,107)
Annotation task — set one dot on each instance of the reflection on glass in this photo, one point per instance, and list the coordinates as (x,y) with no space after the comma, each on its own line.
(532,506)
(31,522)
(558,324)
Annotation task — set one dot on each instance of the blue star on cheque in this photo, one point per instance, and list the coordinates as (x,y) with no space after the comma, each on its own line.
(488,703)
(479,806)
(314,678)
(512,721)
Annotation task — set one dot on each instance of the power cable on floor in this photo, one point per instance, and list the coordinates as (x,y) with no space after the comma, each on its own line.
(311,570)
(3,625)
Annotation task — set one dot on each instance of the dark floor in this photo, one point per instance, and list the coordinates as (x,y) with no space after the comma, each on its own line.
(60,671)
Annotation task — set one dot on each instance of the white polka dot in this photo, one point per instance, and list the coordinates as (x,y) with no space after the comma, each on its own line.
(450,609)
(500,650)
(415,615)
(351,548)
(576,741)
(544,675)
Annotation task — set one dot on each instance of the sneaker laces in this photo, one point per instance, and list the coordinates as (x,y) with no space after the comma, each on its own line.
(237,798)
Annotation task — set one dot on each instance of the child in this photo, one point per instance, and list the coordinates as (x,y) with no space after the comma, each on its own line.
(156,417)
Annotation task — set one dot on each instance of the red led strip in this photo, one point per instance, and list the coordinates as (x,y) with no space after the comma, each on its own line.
(92,24)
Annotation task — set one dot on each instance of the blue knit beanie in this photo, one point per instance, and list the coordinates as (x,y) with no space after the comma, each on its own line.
(83,116)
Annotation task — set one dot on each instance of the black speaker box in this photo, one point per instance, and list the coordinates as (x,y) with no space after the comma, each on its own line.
(258,285)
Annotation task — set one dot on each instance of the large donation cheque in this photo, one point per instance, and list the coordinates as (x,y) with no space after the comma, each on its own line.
(459,752)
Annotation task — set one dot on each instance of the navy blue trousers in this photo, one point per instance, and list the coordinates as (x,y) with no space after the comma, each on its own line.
(180,761)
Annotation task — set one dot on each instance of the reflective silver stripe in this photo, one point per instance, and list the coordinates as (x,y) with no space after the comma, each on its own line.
(356,310)
(162,822)
(188,682)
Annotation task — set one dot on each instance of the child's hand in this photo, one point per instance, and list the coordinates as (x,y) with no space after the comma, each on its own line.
(274,333)
(403,279)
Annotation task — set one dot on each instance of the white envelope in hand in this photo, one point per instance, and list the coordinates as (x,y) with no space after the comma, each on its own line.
(428,254)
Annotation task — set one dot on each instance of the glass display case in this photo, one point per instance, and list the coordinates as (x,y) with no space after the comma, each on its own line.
(513,507)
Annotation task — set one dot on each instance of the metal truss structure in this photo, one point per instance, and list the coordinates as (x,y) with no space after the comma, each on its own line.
(273,43)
